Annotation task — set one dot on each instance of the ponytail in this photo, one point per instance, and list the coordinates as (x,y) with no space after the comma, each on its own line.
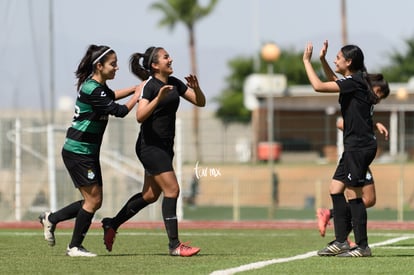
(136,68)
(376,80)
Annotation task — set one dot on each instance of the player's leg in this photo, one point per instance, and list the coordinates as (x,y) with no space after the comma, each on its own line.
(92,195)
(49,220)
(339,245)
(150,193)
(357,164)
(368,197)
(167,181)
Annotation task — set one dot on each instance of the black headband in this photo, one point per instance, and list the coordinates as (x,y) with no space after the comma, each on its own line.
(150,58)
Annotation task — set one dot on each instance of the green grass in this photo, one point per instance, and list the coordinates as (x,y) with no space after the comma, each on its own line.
(262,213)
(139,251)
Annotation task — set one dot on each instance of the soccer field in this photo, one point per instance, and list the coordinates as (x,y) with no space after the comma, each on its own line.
(224,251)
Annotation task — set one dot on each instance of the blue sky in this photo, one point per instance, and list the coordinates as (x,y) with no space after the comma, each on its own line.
(235,28)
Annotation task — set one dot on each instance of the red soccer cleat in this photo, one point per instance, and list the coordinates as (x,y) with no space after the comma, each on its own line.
(323,215)
(109,233)
(184,250)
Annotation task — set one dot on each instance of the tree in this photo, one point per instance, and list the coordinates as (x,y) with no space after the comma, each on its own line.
(230,101)
(401,67)
(187,12)
(231,107)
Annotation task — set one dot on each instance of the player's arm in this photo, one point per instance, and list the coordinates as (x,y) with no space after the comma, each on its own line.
(340,124)
(194,94)
(122,93)
(382,129)
(330,74)
(317,84)
(146,107)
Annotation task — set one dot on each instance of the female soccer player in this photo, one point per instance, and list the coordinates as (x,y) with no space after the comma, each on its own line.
(381,89)
(80,153)
(356,99)
(156,112)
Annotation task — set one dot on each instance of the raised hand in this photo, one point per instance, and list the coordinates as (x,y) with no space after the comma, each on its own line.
(192,82)
(307,54)
(324,49)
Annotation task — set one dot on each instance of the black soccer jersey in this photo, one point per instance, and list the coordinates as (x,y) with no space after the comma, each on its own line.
(357,111)
(160,125)
(95,102)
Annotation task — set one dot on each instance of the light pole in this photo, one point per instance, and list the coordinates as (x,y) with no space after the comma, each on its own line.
(402,96)
(270,53)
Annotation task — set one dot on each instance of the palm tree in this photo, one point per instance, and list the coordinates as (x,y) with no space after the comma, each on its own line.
(344,23)
(187,12)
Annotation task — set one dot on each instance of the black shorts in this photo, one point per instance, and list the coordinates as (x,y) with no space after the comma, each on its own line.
(156,157)
(353,168)
(85,170)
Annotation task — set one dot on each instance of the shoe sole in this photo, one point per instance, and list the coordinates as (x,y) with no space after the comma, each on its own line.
(50,242)
(354,254)
(188,255)
(81,255)
(67,254)
(195,253)
(328,253)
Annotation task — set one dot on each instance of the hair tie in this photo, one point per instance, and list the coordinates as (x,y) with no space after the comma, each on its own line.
(102,55)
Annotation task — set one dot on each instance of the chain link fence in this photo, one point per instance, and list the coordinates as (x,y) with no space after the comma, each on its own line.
(34,178)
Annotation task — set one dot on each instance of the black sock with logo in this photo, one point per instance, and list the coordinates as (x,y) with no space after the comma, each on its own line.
(169,213)
(359,221)
(82,224)
(340,218)
(66,213)
(130,209)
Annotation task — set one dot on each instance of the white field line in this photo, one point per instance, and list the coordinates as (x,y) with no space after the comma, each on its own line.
(261,264)
(397,247)
(257,265)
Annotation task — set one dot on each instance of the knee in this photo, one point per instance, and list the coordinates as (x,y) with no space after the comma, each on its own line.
(97,205)
(150,197)
(93,204)
(173,192)
(177,191)
(336,187)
